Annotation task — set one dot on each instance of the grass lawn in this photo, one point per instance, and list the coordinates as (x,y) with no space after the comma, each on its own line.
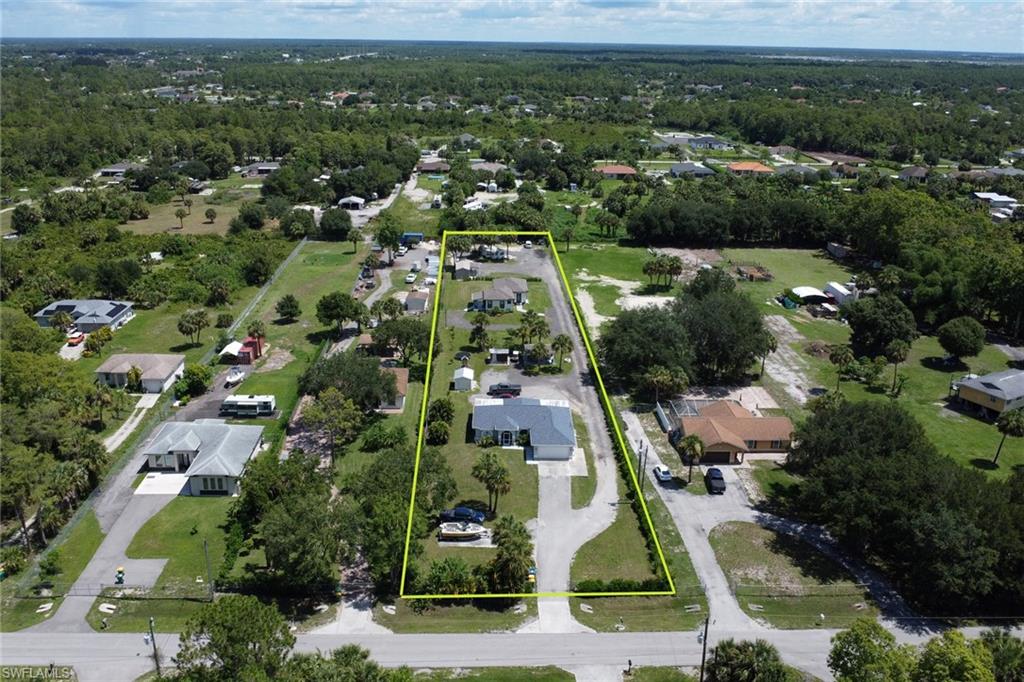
(75,552)
(162,219)
(788,579)
(412,219)
(605,298)
(583,487)
(624,263)
(458,617)
(660,674)
(546,674)
(773,480)
(789,267)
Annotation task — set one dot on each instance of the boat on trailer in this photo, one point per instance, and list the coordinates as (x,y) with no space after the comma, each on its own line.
(460,530)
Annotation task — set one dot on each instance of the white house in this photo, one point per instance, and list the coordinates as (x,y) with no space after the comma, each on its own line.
(88,314)
(210,452)
(463,379)
(159,370)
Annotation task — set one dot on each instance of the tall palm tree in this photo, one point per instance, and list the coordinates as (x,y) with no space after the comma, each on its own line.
(257,329)
(896,352)
(510,568)
(842,357)
(61,320)
(691,450)
(561,344)
(1010,423)
(769,344)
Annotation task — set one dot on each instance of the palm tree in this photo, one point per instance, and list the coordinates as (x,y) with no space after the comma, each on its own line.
(896,352)
(354,236)
(691,450)
(510,568)
(99,398)
(561,344)
(257,329)
(769,345)
(1010,423)
(495,477)
(756,661)
(842,357)
(180,215)
(61,320)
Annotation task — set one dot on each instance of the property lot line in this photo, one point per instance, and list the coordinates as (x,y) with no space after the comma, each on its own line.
(609,412)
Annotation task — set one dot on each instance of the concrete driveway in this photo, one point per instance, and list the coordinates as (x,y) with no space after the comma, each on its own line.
(207,406)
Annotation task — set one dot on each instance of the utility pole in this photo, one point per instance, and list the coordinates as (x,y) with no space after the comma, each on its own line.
(209,577)
(704,648)
(152,639)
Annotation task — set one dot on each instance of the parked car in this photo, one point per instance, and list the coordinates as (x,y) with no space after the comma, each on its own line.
(462,514)
(410,278)
(715,481)
(662,474)
(402,250)
(76,339)
(503,388)
(416,266)
(528,244)
(430,281)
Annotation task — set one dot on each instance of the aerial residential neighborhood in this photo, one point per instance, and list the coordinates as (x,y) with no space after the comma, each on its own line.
(383,353)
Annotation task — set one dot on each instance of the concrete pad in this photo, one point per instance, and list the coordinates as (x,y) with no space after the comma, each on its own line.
(159,483)
(147,400)
(574,466)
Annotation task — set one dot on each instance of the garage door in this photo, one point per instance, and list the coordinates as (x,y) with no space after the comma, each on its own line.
(716,457)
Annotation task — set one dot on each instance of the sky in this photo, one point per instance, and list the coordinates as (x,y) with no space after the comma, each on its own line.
(954,25)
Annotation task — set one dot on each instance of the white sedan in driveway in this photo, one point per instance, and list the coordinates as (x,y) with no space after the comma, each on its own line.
(662,474)
(410,278)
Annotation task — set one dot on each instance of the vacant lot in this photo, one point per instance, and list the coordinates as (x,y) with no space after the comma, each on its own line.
(489,616)
(785,581)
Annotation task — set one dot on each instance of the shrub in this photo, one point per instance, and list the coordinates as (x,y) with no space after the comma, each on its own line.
(380,437)
(438,433)
(225,320)
(49,565)
(13,559)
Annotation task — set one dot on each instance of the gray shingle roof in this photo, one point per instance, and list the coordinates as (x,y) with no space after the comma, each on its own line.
(548,424)
(503,289)
(223,448)
(1008,384)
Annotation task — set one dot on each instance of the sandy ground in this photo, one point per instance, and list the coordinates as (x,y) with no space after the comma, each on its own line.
(754,398)
(628,300)
(786,365)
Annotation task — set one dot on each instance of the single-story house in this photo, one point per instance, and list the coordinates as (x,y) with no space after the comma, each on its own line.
(993,394)
(783,150)
(841,292)
(697,170)
(729,431)
(463,378)
(617,171)
(833,157)
(544,425)
(249,405)
(242,352)
(261,169)
(1009,171)
(806,172)
(401,388)
(159,370)
(913,174)
(464,269)
(708,142)
(489,166)
(994,199)
(503,294)
(88,314)
(844,170)
(749,168)
(416,302)
(210,452)
(352,203)
(433,167)
(118,170)
(467,140)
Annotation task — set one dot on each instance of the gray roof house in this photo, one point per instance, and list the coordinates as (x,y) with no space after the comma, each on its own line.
(708,142)
(88,314)
(800,169)
(210,452)
(159,370)
(697,170)
(504,293)
(993,394)
(546,425)
(913,173)
(416,302)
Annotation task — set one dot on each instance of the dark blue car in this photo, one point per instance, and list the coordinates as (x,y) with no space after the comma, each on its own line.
(462,514)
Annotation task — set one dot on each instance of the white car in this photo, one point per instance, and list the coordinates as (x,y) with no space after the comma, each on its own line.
(662,474)
(430,281)
(410,278)
(402,250)
(528,244)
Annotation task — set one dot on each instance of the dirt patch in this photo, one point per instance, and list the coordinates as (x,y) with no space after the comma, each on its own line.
(753,398)
(694,257)
(785,365)
(417,194)
(594,320)
(818,349)
(275,360)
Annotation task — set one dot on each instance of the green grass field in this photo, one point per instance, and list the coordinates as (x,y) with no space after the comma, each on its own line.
(788,579)
(162,219)
(75,552)
(583,487)
(547,674)
(412,219)
(457,617)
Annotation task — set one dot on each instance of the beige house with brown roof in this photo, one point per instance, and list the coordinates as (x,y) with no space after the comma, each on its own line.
(729,431)
(159,370)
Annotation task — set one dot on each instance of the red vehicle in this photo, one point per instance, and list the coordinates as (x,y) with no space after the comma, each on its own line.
(76,339)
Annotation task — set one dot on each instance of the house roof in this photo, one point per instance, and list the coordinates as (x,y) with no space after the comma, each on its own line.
(416,300)
(87,311)
(352,200)
(809,292)
(502,289)
(616,169)
(401,378)
(914,172)
(1008,384)
(233,348)
(749,167)
(434,166)
(153,365)
(795,168)
(491,166)
(691,167)
(223,449)
(726,422)
(464,373)
(549,422)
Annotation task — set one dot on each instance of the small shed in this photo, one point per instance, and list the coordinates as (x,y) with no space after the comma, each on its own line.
(810,295)
(352,203)
(465,269)
(463,379)
(840,292)
(498,356)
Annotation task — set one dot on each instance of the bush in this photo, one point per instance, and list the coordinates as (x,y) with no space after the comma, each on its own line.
(225,320)
(49,565)
(13,559)
(438,433)
(380,437)
(194,381)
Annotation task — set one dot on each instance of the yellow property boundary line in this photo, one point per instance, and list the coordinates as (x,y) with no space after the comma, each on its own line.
(609,411)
